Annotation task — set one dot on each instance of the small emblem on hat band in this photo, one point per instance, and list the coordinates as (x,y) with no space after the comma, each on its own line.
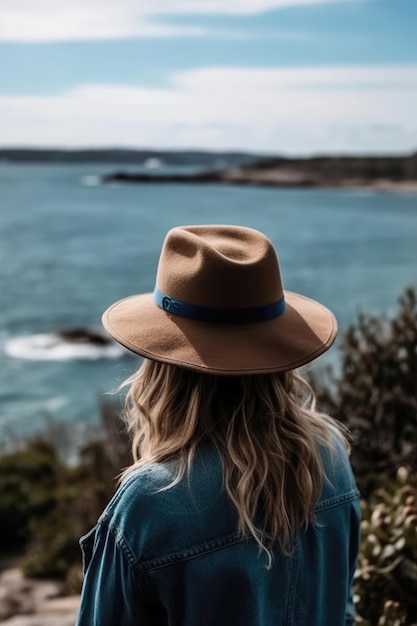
(249,315)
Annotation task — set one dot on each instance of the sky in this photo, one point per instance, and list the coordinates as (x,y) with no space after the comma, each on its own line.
(296,77)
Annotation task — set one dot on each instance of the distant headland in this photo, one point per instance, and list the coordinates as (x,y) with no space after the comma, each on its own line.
(382,173)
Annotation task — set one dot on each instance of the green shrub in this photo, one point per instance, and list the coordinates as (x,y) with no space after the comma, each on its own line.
(46,505)
(386,576)
(376,396)
(376,392)
(53,547)
(28,481)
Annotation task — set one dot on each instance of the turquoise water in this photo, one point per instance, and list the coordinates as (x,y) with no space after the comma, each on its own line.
(69,249)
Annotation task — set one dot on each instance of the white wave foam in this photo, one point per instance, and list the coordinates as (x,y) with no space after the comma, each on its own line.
(91,181)
(51,347)
(153,163)
(54,404)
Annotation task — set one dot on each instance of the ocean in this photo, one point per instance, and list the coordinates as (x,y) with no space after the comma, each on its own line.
(70,247)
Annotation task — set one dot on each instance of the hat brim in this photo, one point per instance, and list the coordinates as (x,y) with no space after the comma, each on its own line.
(302,333)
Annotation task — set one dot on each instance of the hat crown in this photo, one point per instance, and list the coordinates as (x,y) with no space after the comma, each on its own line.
(219,308)
(219,266)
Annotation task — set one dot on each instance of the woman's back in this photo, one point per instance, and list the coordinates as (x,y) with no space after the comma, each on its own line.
(174,556)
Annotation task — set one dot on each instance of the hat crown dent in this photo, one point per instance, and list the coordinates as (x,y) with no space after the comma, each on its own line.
(219,266)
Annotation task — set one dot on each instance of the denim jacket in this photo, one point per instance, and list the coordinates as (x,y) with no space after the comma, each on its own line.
(174,557)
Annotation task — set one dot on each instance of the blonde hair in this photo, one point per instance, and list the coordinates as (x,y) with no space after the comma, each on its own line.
(265,427)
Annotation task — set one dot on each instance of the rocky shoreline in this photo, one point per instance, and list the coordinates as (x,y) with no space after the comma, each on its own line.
(373,173)
(279,179)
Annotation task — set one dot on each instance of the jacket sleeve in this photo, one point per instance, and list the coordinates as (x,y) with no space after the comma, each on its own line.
(112,593)
(354,544)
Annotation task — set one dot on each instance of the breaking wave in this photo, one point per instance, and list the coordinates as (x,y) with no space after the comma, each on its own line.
(54,347)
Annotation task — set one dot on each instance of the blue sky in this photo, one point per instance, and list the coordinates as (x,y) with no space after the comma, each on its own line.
(278,76)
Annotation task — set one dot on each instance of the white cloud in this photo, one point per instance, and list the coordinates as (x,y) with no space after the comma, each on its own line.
(49,20)
(44,21)
(304,110)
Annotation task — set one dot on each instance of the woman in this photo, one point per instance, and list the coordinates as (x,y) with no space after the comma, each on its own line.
(240,508)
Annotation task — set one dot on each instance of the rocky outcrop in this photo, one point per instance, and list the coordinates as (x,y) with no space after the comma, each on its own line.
(83,335)
(209,176)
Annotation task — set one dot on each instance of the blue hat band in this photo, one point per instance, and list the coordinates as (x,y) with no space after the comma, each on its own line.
(216,315)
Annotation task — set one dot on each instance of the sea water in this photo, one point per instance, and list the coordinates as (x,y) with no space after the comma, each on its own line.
(70,247)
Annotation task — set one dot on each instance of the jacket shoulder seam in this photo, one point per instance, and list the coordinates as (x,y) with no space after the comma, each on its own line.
(123,546)
(108,511)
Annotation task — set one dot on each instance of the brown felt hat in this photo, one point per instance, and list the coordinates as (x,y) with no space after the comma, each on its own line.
(219,307)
